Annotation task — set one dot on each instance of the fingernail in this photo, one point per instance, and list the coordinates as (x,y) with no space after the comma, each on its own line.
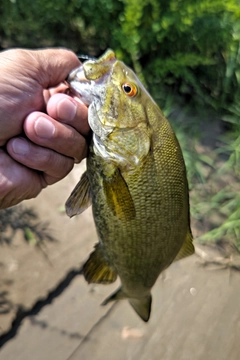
(44,128)
(66,109)
(20,146)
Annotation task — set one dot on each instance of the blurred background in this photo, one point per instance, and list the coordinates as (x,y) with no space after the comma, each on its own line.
(187,53)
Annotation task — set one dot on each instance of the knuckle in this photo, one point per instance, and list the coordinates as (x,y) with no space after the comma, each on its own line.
(56,165)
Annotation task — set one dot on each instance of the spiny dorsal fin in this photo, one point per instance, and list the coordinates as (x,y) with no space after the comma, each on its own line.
(142,306)
(187,248)
(97,270)
(80,198)
(118,196)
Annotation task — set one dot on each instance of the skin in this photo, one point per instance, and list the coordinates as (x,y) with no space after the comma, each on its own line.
(42,129)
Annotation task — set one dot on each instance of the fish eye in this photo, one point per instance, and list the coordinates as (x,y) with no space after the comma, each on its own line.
(129,89)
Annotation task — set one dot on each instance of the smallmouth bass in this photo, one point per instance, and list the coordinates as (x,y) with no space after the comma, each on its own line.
(135,180)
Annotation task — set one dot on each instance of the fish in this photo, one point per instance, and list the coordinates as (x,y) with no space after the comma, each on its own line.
(135,180)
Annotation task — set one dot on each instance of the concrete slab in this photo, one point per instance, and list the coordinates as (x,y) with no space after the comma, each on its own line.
(195,315)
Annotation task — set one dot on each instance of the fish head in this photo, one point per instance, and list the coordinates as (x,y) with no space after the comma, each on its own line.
(118,109)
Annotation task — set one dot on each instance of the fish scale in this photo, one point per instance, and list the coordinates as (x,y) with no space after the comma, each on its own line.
(135,180)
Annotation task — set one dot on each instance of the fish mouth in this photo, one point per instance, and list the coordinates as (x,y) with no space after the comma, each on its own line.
(80,86)
(89,79)
(90,92)
(77,75)
(85,89)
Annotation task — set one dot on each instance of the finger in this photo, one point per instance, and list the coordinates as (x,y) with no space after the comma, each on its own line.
(42,130)
(54,166)
(24,75)
(48,66)
(69,111)
(55,65)
(17,182)
(48,93)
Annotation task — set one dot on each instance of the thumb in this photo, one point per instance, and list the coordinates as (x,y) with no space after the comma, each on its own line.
(54,65)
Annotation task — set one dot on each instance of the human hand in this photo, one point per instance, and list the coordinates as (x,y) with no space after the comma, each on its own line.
(42,130)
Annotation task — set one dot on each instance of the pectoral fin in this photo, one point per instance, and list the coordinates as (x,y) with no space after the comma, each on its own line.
(187,248)
(142,306)
(80,198)
(97,270)
(118,196)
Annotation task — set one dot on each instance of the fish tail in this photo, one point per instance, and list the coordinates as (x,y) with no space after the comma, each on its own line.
(142,306)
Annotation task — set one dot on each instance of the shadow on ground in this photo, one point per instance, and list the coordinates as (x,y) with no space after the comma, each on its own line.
(25,220)
(22,313)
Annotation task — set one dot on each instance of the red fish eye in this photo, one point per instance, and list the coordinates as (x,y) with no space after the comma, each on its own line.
(129,89)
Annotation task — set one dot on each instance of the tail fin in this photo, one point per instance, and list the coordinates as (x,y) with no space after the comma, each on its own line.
(142,306)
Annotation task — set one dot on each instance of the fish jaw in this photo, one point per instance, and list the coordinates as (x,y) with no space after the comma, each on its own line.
(80,86)
(89,79)
(92,93)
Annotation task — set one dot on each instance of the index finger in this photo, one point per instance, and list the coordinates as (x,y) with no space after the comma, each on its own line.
(71,111)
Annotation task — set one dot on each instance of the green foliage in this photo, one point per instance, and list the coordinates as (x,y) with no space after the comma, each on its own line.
(186,52)
(228,199)
(232,142)
(223,205)
(191,46)
(228,204)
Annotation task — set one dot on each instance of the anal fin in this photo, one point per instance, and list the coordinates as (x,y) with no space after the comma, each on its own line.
(97,270)
(117,295)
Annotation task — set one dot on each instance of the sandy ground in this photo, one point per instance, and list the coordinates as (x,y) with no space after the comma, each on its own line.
(48,311)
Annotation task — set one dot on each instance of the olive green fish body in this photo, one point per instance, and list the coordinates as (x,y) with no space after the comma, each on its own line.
(141,247)
(137,183)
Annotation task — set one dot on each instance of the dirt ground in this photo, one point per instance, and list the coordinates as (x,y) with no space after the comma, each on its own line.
(26,273)
(47,311)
